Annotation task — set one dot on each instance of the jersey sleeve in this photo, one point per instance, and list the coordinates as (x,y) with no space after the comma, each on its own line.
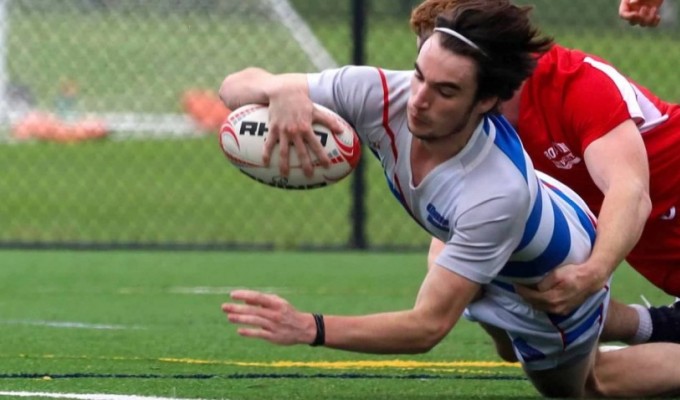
(354,92)
(485,236)
(597,100)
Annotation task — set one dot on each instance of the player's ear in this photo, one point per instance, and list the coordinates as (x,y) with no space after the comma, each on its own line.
(487,104)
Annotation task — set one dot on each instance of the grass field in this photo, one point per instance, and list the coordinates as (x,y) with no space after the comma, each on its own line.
(149,323)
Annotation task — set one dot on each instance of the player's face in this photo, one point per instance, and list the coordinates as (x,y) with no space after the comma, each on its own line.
(443,87)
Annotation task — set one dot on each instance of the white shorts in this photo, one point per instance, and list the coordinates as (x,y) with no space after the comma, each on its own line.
(542,340)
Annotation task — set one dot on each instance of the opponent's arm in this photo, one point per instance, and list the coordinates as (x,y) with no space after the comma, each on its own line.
(641,12)
(441,301)
(291,113)
(618,165)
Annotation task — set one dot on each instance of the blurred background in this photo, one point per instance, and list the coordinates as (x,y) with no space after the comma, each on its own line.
(109,116)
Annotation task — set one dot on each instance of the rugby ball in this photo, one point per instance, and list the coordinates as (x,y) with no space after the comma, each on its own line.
(242,138)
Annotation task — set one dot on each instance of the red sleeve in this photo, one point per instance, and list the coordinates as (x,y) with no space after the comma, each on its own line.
(593,105)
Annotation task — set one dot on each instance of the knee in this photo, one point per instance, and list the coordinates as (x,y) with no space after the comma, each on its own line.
(599,383)
(594,388)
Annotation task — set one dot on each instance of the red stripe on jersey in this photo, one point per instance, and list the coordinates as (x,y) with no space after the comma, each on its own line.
(390,133)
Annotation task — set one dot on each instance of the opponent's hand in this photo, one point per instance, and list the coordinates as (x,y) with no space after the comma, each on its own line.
(562,290)
(269,317)
(290,122)
(641,12)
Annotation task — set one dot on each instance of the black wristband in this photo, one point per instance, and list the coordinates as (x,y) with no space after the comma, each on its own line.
(320,338)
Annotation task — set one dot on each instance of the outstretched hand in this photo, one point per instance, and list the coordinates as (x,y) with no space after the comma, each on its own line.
(269,317)
(561,291)
(641,12)
(290,122)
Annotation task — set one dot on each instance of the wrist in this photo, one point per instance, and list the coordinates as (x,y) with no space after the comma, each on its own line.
(596,274)
(319,331)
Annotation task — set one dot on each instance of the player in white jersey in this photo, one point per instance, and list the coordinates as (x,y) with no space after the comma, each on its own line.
(460,171)
(487,204)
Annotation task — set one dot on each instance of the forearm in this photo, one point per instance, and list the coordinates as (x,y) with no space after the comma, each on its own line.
(400,332)
(255,85)
(624,211)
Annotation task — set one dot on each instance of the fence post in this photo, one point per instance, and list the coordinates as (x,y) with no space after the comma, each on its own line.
(4,50)
(358,238)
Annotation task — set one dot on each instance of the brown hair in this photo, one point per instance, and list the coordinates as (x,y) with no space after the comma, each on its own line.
(509,44)
(424,15)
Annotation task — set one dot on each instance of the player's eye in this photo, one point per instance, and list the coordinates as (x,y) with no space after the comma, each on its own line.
(447,92)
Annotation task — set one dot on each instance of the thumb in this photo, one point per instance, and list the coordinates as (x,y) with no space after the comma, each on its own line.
(330,121)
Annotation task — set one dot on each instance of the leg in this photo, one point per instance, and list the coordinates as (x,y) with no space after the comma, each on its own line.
(569,380)
(501,341)
(621,323)
(656,324)
(565,381)
(637,371)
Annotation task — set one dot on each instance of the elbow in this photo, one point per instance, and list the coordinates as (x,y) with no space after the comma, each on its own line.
(233,84)
(226,89)
(430,337)
(644,202)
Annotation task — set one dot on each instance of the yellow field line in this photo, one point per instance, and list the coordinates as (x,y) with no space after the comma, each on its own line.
(355,364)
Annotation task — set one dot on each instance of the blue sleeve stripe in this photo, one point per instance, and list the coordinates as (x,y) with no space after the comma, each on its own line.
(508,142)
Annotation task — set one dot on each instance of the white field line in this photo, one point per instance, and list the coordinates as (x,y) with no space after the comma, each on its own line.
(66,324)
(86,396)
(204,290)
(222,290)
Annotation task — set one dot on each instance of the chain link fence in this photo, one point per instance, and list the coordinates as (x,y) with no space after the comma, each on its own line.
(108,115)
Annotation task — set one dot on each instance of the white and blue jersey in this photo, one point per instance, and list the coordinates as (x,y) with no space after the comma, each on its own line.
(501,221)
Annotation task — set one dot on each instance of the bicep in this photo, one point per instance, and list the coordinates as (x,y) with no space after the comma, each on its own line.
(619,154)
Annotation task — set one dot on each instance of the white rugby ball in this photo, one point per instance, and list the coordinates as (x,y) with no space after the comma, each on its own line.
(244,133)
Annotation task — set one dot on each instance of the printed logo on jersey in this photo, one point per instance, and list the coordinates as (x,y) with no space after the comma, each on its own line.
(561,156)
(436,219)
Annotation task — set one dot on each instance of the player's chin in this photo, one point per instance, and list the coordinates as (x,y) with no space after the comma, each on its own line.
(424,135)
(419,129)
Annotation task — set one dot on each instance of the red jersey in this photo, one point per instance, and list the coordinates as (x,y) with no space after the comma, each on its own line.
(574,98)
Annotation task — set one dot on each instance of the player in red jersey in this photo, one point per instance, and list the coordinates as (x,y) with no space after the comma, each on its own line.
(594,129)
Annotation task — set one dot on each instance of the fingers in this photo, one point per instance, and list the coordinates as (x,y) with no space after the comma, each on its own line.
(259,310)
(269,317)
(270,142)
(299,134)
(648,16)
(549,301)
(328,121)
(255,298)
(303,155)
